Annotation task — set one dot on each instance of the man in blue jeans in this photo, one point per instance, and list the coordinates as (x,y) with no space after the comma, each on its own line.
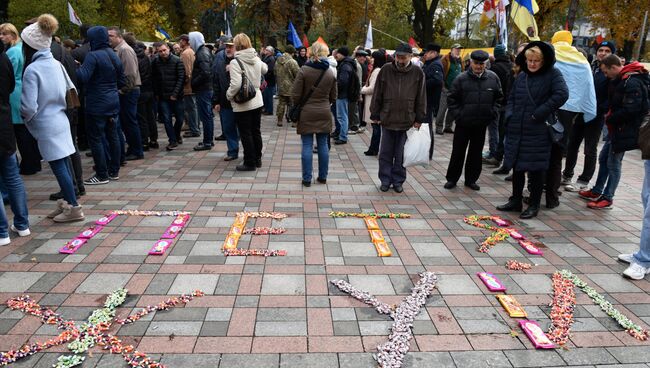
(640,261)
(346,75)
(202,87)
(168,74)
(221,81)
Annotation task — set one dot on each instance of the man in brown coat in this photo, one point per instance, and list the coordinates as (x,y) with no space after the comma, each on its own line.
(398,103)
(189,100)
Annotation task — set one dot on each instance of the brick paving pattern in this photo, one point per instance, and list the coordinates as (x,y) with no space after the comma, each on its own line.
(281,311)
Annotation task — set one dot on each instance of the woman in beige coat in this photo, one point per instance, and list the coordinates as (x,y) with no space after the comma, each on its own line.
(378,60)
(316,117)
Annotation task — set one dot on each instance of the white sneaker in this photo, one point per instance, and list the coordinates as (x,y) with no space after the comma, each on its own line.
(565,181)
(5,241)
(636,271)
(578,186)
(25,232)
(627,258)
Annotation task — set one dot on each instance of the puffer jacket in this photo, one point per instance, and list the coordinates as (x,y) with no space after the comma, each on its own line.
(254,69)
(286,70)
(101,74)
(202,69)
(346,74)
(473,99)
(7,84)
(502,66)
(144,66)
(399,98)
(315,116)
(168,77)
(528,143)
(220,80)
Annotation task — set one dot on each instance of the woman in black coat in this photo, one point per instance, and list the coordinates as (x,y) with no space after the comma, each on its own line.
(536,94)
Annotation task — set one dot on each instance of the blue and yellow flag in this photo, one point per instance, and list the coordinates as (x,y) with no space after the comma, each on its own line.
(522,13)
(162,34)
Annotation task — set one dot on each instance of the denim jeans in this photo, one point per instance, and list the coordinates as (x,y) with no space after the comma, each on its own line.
(191,114)
(642,257)
(129,122)
(609,171)
(229,127)
(12,183)
(391,157)
(337,125)
(120,139)
(267,97)
(167,108)
(308,155)
(62,169)
(103,135)
(204,106)
(342,117)
(493,134)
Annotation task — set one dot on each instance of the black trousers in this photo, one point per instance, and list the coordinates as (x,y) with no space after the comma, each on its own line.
(146,120)
(590,133)
(30,156)
(502,135)
(554,173)
(432,138)
(248,123)
(75,158)
(535,185)
(464,137)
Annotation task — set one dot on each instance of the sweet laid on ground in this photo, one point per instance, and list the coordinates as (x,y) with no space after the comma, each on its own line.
(500,233)
(377,237)
(512,306)
(238,228)
(536,335)
(562,307)
(518,266)
(491,282)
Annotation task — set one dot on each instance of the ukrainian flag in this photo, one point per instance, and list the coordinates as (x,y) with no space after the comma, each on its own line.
(522,13)
(162,34)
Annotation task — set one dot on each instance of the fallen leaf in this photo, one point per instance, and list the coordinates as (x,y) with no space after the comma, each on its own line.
(171,337)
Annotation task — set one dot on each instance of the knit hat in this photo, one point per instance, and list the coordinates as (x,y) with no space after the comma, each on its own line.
(562,36)
(499,50)
(39,35)
(610,44)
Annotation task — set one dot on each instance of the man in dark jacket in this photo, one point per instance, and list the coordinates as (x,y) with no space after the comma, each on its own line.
(452,65)
(168,75)
(628,106)
(148,128)
(473,102)
(502,66)
(201,84)
(435,75)
(102,74)
(221,81)
(346,79)
(399,103)
(267,95)
(588,131)
(10,180)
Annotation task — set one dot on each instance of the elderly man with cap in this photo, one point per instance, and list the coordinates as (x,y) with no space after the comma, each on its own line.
(434,74)
(473,101)
(398,103)
(452,65)
(357,124)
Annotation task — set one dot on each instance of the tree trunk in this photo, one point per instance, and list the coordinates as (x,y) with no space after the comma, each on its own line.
(467,14)
(4,11)
(571,16)
(180,13)
(423,20)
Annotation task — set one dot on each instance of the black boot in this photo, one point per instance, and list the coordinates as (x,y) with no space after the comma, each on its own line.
(530,212)
(513,205)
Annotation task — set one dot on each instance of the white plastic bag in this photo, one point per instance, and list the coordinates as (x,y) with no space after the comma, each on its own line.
(416,149)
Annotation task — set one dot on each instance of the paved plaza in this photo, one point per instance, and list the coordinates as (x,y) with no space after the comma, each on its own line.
(282,311)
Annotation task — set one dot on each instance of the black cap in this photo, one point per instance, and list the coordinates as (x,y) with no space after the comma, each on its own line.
(432,47)
(479,56)
(343,50)
(361,52)
(403,49)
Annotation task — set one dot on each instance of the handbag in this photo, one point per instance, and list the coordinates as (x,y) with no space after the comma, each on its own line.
(246,90)
(553,125)
(71,96)
(296,110)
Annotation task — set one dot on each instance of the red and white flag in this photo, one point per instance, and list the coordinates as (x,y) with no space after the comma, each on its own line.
(74,18)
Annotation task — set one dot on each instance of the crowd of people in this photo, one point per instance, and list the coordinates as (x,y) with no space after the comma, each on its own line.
(536,106)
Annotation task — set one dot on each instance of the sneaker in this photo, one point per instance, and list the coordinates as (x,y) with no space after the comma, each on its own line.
(134,157)
(578,186)
(339,142)
(172,146)
(202,147)
(70,214)
(5,241)
(191,135)
(220,138)
(113,177)
(95,181)
(361,130)
(627,258)
(588,195)
(636,271)
(25,232)
(492,161)
(352,132)
(565,181)
(601,204)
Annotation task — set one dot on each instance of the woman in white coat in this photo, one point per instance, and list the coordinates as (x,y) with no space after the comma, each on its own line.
(378,60)
(248,115)
(43,105)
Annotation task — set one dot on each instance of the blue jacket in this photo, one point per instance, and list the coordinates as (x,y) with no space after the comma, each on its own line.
(102,75)
(220,80)
(534,99)
(435,79)
(15,54)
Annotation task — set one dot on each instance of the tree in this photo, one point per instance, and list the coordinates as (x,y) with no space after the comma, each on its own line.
(88,11)
(622,18)
(423,19)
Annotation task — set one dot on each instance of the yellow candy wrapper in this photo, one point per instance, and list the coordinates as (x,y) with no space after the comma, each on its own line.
(512,306)
(377,236)
(382,249)
(231,242)
(372,223)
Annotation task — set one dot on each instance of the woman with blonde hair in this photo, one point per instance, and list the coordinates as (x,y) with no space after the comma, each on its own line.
(248,112)
(30,158)
(315,90)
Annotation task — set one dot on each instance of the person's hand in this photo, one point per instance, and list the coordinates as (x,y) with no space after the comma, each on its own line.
(217,108)
(173,98)
(228,68)
(417,125)
(376,122)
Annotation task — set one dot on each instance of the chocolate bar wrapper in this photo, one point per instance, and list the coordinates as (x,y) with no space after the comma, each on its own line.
(106,219)
(236,231)
(90,232)
(376,236)
(73,245)
(512,306)
(240,220)
(383,250)
(371,223)
(160,247)
(530,247)
(536,335)
(172,232)
(491,282)
(181,220)
(231,242)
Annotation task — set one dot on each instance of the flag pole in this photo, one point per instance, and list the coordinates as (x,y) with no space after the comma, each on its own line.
(382,32)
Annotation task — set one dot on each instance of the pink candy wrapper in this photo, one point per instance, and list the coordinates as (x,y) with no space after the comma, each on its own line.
(515,234)
(89,233)
(181,220)
(501,222)
(491,282)
(536,335)
(530,247)
(160,247)
(73,245)
(106,219)
(172,232)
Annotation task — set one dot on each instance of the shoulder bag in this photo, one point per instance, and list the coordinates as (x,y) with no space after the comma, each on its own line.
(246,90)
(71,96)
(295,111)
(554,126)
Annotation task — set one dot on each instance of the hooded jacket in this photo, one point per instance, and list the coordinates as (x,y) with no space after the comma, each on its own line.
(168,76)
(286,70)
(144,66)
(533,99)
(346,74)
(254,69)
(315,116)
(202,70)
(7,84)
(102,75)
(399,98)
(502,66)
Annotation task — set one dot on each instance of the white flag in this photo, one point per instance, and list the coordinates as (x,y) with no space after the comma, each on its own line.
(73,15)
(502,21)
(369,36)
(225,18)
